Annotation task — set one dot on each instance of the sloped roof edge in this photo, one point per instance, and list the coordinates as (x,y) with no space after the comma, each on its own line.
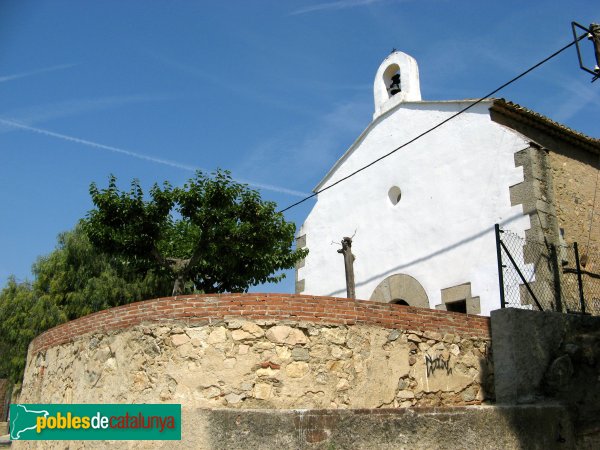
(501,106)
(381,118)
(537,120)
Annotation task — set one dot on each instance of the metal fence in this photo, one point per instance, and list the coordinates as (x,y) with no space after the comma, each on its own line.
(542,276)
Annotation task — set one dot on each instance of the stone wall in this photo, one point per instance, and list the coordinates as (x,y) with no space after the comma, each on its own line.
(541,356)
(536,194)
(561,193)
(575,188)
(217,351)
(291,371)
(4,400)
(564,164)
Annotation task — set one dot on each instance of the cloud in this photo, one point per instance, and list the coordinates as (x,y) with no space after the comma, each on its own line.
(137,155)
(35,72)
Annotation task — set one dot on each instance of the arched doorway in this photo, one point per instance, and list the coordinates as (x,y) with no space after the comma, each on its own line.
(401,289)
(399,301)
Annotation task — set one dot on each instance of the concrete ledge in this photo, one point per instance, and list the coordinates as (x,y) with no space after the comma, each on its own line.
(544,427)
(4,438)
(481,427)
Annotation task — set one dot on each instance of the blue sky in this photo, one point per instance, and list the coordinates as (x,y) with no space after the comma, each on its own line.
(274,91)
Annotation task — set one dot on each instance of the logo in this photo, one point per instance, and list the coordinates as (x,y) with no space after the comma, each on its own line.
(95,422)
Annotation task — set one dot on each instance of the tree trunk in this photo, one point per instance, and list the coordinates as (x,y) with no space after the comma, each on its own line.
(346,250)
(179,285)
(179,267)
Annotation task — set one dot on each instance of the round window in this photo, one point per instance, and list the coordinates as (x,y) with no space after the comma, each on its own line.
(395,195)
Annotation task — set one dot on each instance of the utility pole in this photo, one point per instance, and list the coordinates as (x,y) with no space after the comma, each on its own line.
(595,37)
(346,250)
(593,34)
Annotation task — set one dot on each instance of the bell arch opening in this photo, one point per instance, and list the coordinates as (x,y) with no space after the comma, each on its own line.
(392,80)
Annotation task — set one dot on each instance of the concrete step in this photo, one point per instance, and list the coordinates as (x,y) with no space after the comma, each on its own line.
(4,438)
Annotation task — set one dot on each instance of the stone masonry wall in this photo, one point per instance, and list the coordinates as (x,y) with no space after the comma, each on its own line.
(565,166)
(561,191)
(575,189)
(541,356)
(4,392)
(257,351)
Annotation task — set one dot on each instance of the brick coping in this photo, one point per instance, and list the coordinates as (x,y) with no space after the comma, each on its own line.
(204,309)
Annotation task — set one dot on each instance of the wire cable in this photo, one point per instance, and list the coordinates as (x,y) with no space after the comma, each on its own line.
(466,108)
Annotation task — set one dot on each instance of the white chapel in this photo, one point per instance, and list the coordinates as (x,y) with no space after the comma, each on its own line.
(422,219)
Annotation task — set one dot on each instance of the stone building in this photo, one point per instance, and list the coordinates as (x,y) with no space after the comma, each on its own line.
(422,219)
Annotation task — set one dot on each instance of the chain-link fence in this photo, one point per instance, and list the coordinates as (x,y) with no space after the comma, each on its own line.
(542,276)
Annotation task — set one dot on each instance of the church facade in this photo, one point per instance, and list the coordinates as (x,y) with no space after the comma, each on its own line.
(422,219)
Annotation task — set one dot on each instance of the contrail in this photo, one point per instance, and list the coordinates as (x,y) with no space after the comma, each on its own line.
(35,72)
(153,159)
(97,145)
(341,4)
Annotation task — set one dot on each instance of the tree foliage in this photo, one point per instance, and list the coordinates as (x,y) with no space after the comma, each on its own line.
(22,317)
(211,235)
(72,281)
(80,280)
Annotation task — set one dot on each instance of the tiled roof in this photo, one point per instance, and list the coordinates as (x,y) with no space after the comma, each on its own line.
(538,120)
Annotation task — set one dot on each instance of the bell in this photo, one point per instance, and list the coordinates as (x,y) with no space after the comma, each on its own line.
(395,86)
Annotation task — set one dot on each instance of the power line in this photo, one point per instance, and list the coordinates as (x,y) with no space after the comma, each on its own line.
(466,108)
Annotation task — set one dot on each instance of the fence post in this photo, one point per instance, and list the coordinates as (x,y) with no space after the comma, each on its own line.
(500,272)
(556,278)
(579,279)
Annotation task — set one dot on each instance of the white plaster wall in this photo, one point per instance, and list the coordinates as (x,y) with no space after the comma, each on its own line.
(455,187)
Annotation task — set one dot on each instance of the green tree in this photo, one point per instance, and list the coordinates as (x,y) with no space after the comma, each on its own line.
(211,235)
(22,317)
(81,280)
(72,281)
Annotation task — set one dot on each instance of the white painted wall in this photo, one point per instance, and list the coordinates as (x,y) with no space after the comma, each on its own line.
(455,186)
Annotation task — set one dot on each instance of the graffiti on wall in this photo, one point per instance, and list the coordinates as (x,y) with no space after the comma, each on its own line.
(438,363)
